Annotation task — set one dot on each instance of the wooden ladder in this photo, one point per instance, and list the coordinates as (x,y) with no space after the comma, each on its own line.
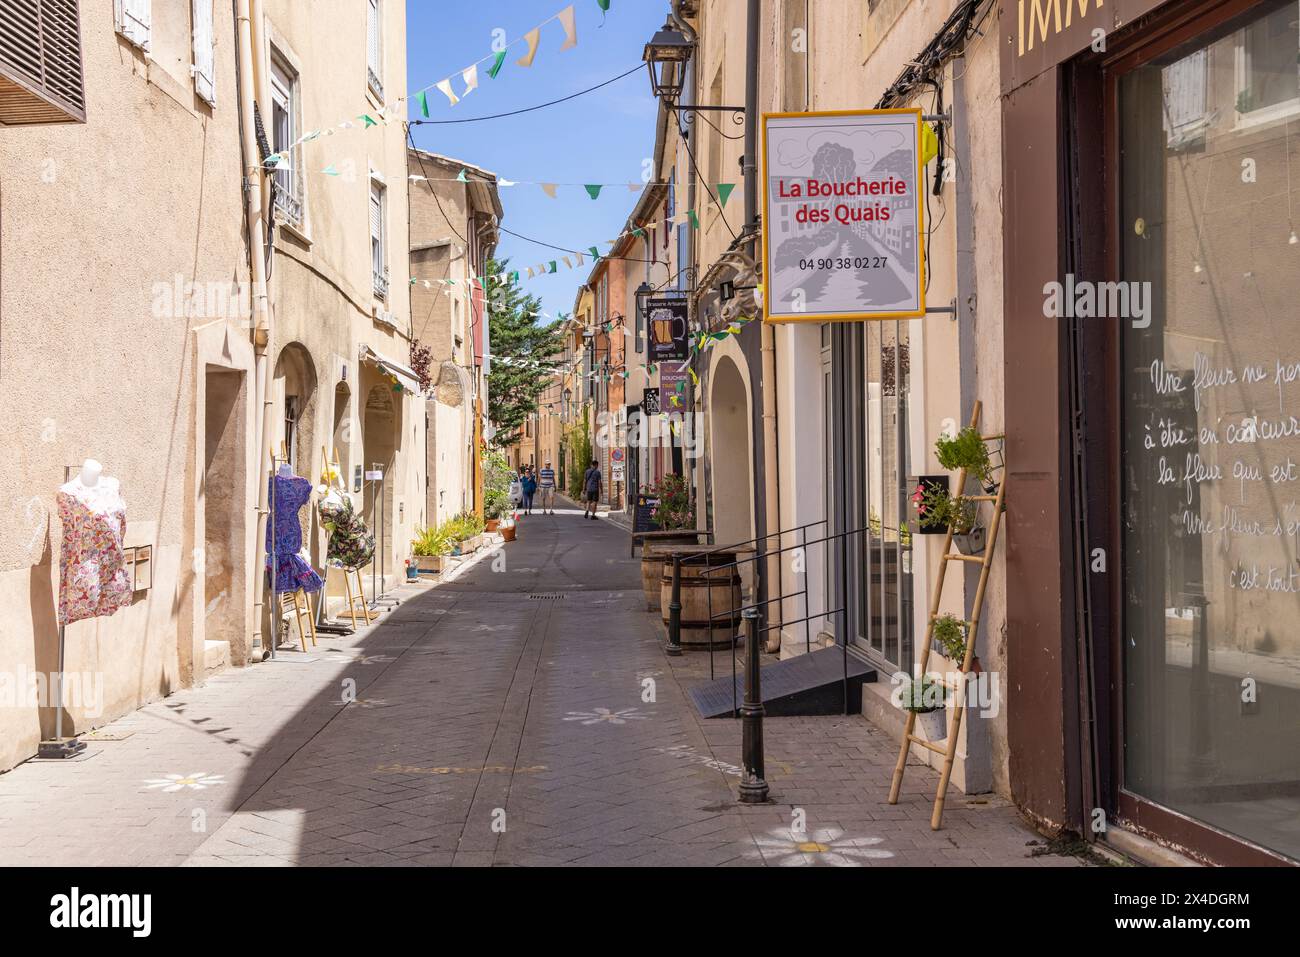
(972,630)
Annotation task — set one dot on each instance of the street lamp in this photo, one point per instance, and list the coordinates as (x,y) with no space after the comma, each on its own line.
(665,58)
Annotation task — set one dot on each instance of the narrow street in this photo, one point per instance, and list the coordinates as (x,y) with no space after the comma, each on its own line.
(522,714)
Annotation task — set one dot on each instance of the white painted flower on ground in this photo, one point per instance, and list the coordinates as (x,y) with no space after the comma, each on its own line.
(825,846)
(597,715)
(197,781)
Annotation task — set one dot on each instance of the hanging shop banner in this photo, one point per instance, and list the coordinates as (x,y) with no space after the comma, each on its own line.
(672,386)
(842,228)
(669,329)
(650,401)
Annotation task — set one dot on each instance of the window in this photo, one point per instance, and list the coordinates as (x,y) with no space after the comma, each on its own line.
(204,52)
(1268,66)
(1207,395)
(133,18)
(291,415)
(40,63)
(378,201)
(284,133)
(374,49)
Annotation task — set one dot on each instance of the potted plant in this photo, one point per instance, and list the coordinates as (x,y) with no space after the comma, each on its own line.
(967,450)
(950,635)
(428,548)
(507,529)
(496,489)
(939,509)
(925,697)
(412,571)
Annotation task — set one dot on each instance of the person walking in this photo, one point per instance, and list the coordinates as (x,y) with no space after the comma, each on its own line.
(591,486)
(546,483)
(530,487)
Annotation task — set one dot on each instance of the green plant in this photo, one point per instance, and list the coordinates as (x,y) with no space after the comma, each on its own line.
(965,450)
(496,484)
(579,442)
(951,636)
(430,542)
(940,510)
(674,510)
(922,695)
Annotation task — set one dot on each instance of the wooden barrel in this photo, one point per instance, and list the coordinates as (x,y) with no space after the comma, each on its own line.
(704,592)
(653,556)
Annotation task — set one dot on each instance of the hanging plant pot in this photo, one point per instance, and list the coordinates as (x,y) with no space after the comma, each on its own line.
(934,724)
(991,483)
(972,542)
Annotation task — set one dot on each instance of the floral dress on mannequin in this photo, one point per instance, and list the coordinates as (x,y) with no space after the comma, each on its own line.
(293,566)
(351,543)
(93,578)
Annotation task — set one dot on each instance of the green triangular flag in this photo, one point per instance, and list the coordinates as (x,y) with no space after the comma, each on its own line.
(370,121)
(496,67)
(461,177)
(695,220)
(639,233)
(724,192)
(603,4)
(595,253)
(513,276)
(593,190)
(553,268)
(423,99)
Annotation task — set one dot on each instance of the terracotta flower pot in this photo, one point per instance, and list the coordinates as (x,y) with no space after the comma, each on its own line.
(508,533)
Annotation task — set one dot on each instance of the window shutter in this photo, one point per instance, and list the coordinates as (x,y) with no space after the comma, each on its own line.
(373,56)
(40,62)
(133,19)
(1184,91)
(204,52)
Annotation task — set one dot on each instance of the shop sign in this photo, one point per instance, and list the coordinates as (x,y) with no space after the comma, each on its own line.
(650,402)
(666,319)
(842,227)
(672,386)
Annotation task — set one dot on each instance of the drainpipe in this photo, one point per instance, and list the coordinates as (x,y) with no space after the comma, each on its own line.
(247,22)
(771,492)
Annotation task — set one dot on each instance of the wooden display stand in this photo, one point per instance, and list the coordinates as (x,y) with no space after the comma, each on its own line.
(949,748)
(358,596)
(299,604)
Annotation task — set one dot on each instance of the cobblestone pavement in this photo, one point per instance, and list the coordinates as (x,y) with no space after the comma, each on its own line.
(501,718)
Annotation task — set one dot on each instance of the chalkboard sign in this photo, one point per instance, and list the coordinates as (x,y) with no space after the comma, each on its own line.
(642,520)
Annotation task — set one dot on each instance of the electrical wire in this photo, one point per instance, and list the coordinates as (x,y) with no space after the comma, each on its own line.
(566,249)
(433,192)
(528,109)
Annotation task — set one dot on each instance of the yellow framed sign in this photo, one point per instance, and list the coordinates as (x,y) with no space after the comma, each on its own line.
(843,235)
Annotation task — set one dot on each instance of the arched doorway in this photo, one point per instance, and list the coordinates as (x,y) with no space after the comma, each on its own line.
(295,381)
(731,454)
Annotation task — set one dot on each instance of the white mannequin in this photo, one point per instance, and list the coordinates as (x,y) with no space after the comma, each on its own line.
(91,484)
(285,470)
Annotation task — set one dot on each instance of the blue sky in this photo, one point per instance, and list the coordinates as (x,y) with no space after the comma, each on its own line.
(602,137)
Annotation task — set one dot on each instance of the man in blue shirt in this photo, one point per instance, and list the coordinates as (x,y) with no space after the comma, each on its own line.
(591,489)
(546,485)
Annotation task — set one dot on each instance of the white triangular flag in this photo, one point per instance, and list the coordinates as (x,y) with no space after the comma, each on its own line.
(445,87)
(470,76)
(565,17)
(579,258)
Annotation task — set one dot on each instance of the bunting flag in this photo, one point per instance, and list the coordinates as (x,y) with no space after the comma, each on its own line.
(532,37)
(567,262)
(461,177)
(603,4)
(578,256)
(724,192)
(565,17)
(548,189)
(634,187)
(554,268)
(496,66)
(423,99)
(506,182)
(370,121)
(470,76)
(593,189)
(445,87)
(595,253)
(330,170)
(695,220)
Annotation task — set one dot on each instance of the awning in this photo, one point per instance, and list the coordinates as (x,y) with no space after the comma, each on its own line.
(404,375)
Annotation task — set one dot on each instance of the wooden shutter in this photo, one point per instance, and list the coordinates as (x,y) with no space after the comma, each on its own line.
(374,48)
(40,62)
(133,20)
(204,52)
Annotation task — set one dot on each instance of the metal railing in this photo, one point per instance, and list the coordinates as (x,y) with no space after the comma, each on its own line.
(759,606)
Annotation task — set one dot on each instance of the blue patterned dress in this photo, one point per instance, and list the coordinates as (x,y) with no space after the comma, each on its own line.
(293,570)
